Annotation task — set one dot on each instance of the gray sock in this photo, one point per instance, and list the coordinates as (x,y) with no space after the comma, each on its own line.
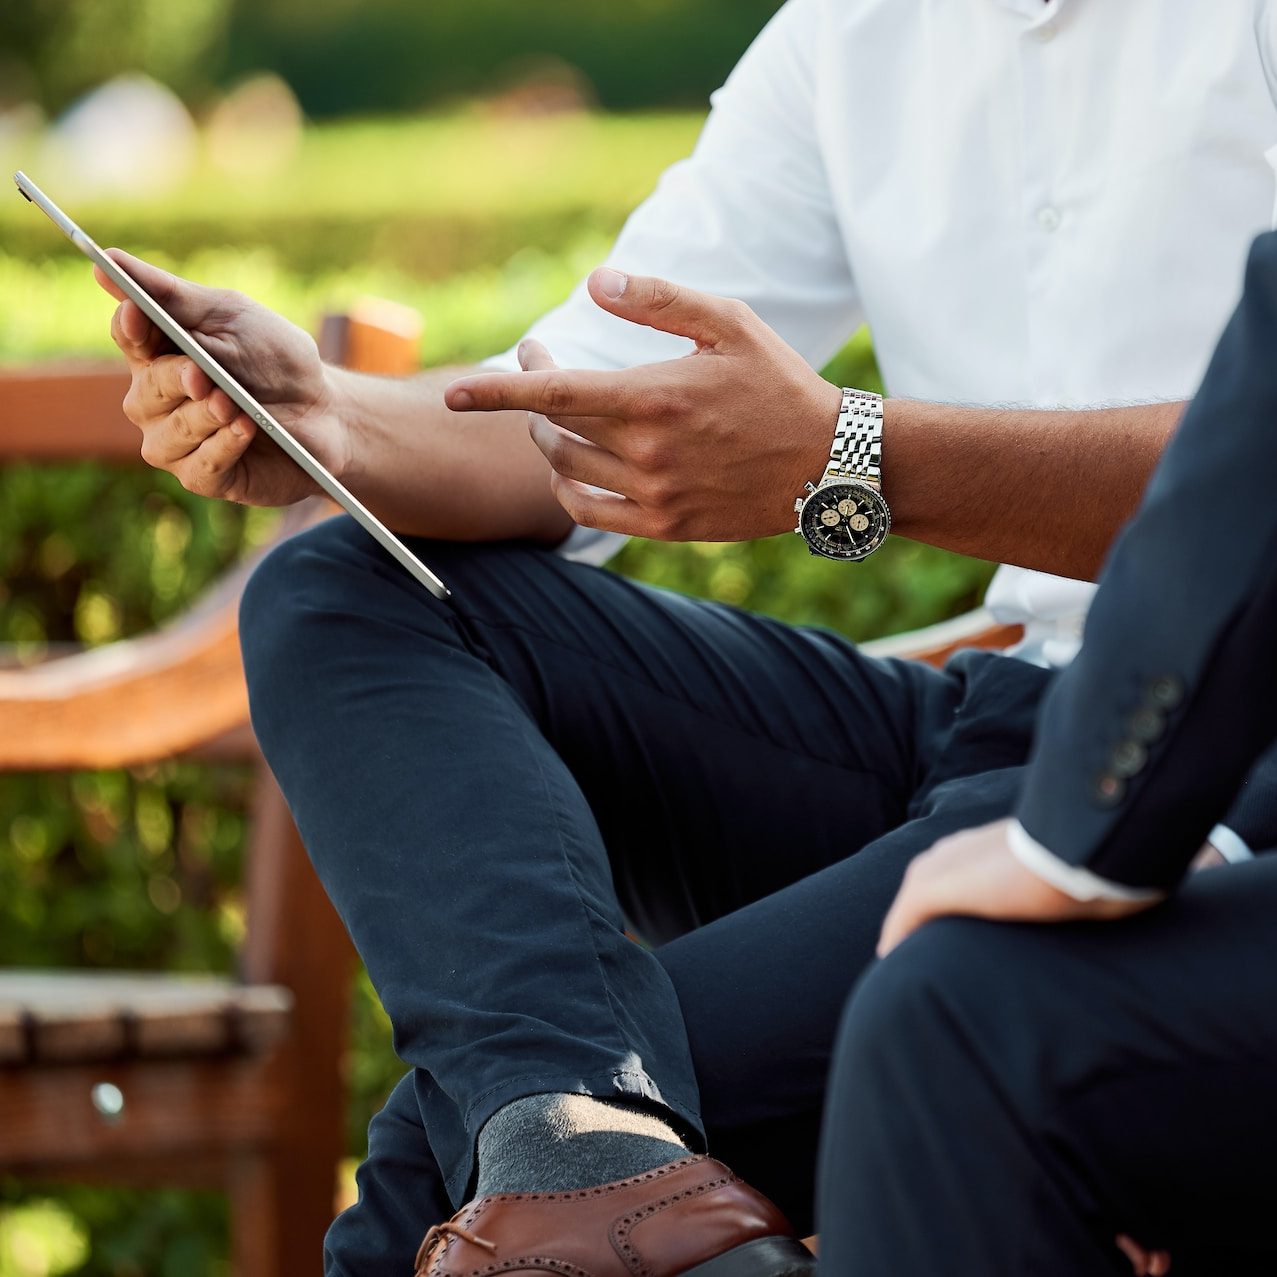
(552,1143)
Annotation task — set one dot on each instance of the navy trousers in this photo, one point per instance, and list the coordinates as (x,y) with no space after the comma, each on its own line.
(493,788)
(1007,1099)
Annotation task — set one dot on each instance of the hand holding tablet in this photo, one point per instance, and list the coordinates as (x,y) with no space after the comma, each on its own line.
(223,395)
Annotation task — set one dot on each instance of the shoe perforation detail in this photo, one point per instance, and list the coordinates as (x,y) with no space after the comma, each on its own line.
(527,1262)
(619,1233)
(467,1215)
(623,1228)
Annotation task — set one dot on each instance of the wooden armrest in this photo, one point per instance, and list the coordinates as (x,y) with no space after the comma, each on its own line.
(139,700)
(66,412)
(374,335)
(71,410)
(133,702)
(180,689)
(936,643)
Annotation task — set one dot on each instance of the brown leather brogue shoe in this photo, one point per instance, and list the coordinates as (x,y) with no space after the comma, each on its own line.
(692,1217)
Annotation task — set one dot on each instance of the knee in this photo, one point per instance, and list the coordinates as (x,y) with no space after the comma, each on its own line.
(331,576)
(293,577)
(322,603)
(927,1002)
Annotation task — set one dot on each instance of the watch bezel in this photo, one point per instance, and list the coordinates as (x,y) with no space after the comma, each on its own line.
(861,487)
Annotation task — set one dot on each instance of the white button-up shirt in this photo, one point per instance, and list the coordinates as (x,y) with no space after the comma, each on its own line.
(1034,204)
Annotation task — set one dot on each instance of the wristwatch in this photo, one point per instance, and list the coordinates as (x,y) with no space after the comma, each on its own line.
(844,516)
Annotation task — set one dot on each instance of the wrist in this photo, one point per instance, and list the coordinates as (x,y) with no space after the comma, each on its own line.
(820,435)
(338,407)
(842,514)
(814,433)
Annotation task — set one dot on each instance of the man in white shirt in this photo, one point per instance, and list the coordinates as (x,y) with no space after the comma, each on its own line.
(1039,206)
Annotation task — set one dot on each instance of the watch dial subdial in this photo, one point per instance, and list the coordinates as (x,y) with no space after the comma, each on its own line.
(846,520)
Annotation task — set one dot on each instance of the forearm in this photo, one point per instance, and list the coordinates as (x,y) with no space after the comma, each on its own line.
(428,471)
(1046,490)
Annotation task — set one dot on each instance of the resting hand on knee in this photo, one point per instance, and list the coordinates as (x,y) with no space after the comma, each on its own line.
(976,873)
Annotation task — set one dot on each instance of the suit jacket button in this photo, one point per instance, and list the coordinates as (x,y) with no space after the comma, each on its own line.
(1128,758)
(1166,692)
(1146,725)
(1109,790)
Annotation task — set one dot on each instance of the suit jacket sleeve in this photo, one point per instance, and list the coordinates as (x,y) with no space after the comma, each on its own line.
(1146,738)
(1253,815)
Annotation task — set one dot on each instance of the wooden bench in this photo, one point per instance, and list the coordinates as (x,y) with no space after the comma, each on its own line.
(161,1080)
(936,643)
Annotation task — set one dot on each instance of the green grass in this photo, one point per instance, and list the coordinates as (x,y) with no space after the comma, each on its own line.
(479,223)
(52,307)
(469,162)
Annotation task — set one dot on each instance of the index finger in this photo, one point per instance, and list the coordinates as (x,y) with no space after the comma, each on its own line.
(190,304)
(552,393)
(132,331)
(106,283)
(159,283)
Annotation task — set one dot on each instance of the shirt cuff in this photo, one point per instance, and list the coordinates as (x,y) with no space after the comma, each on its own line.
(1229,845)
(1073,880)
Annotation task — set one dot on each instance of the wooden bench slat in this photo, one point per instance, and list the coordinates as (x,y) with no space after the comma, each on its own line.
(13,1036)
(934,644)
(172,1109)
(70,1017)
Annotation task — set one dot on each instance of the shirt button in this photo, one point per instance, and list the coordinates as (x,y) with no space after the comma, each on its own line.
(1044,34)
(1049,218)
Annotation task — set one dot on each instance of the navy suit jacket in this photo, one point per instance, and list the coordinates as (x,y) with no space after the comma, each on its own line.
(1146,739)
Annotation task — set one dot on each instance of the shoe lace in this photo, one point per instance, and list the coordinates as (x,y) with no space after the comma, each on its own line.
(437,1232)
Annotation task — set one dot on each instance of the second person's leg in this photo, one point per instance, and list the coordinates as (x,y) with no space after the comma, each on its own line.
(1010,1098)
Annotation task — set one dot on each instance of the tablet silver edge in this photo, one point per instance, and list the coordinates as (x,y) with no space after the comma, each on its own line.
(186,343)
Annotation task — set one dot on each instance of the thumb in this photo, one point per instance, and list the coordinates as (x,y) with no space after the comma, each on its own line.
(903,918)
(190,304)
(533,356)
(671,308)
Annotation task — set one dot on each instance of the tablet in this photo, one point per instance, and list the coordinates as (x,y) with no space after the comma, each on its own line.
(189,344)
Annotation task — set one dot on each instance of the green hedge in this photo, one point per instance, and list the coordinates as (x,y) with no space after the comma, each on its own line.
(352,55)
(347,56)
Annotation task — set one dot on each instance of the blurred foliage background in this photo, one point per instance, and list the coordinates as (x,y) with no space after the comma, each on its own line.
(472,161)
(352,56)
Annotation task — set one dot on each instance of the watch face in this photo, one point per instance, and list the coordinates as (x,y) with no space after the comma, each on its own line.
(845,520)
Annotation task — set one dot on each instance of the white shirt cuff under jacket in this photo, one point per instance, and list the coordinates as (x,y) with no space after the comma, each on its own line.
(1229,845)
(1073,880)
